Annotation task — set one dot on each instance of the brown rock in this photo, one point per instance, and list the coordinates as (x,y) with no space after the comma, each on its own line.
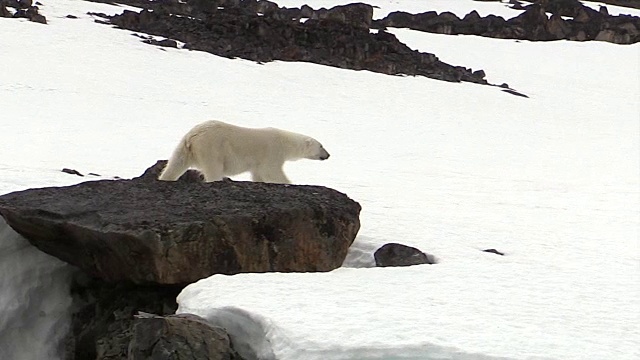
(149,231)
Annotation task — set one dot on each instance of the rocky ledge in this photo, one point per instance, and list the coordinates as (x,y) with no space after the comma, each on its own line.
(146,231)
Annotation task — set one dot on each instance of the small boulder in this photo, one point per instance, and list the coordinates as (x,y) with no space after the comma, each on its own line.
(184,336)
(394,254)
(71,171)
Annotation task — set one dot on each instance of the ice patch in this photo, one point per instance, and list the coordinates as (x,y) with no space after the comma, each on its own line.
(35,302)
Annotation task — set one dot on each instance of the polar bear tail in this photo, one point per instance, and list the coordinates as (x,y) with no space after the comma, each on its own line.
(178,163)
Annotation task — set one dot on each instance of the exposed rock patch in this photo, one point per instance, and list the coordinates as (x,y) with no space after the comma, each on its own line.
(394,254)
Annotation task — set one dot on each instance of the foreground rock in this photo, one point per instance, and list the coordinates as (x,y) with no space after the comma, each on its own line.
(261,31)
(394,254)
(184,336)
(154,232)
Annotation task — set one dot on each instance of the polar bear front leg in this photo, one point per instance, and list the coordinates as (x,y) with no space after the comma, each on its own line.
(275,175)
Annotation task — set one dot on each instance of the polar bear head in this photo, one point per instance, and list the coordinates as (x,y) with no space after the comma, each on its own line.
(314,150)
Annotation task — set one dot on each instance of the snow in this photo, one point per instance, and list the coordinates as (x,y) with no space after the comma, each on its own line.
(552,180)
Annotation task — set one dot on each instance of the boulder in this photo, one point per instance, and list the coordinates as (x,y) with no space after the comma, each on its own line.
(155,232)
(184,336)
(394,254)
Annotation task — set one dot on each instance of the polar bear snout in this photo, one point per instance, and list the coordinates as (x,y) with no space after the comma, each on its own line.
(324,154)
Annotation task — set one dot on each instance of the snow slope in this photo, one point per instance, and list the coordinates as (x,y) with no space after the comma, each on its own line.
(553,181)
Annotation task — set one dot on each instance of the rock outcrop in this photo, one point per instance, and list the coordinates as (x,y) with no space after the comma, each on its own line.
(569,20)
(261,31)
(393,254)
(154,232)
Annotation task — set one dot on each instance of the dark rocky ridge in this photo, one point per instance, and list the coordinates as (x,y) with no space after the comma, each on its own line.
(261,31)
(532,24)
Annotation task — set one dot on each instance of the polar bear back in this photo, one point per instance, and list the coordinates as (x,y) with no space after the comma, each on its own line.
(232,140)
(219,149)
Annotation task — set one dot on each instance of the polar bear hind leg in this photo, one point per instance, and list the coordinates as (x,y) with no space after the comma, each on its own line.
(177,165)
(212,171)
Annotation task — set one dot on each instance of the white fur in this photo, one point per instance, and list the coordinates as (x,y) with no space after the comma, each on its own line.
(219,149)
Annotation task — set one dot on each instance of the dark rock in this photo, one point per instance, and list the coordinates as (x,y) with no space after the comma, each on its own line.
(516,5)
(4,12)
(493,251)
(10,3)
(558,27)
(71,171)
(71,16)
(181,336)
(148,231)
(30,13)
(103,315)
(192,176)
(24,4)
(393,254)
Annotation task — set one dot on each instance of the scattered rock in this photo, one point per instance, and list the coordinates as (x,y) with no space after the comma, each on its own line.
(71,171)
(513,92)
(181,336)
(147,231)
(394,254)
(493,251)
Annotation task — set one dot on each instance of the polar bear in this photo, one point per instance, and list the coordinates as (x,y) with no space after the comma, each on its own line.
(219,149)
